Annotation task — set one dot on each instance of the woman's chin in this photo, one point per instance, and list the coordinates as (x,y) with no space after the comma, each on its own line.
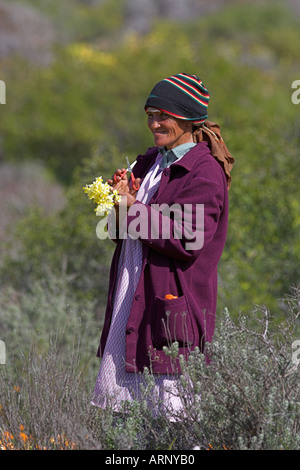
(160,140)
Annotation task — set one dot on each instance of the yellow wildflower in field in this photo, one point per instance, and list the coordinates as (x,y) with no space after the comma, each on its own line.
(23,435)
(8,442)
(61,442)
(89,55)
(102,195)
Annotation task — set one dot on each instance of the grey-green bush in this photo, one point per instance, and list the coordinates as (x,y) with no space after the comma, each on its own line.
(246,398)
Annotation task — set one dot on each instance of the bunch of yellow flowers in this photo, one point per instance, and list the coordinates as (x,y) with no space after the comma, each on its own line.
(102,195)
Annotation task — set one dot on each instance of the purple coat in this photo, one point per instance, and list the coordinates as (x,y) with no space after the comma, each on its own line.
(169,267)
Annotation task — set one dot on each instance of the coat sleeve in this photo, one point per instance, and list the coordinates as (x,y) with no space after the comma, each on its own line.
(180,230)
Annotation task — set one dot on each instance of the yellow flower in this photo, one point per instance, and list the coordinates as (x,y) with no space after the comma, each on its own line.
(61,442)
(102,195)
(5,441)
(87,54)
(24,437)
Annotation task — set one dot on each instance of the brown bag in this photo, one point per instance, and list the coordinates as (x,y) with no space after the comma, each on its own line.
(210,133)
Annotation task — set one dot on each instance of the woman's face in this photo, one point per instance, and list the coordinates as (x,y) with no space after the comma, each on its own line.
(168,131)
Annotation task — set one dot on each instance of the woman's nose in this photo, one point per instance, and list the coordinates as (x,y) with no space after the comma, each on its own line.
(154,124)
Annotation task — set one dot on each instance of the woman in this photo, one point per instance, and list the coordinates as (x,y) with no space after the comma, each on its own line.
(163,280)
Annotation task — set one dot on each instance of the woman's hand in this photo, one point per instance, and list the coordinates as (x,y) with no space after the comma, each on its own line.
(120,182)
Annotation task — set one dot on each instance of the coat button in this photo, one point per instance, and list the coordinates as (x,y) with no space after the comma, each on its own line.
(137,297)
(129,330)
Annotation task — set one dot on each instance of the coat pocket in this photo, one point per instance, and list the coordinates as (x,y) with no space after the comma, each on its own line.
(172,322)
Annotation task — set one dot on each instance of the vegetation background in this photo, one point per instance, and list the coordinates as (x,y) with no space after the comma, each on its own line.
(77,74)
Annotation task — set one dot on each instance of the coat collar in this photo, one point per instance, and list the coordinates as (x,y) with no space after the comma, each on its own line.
(194,154)
(144,162)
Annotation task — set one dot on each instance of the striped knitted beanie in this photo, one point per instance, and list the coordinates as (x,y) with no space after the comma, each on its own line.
(182,96)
